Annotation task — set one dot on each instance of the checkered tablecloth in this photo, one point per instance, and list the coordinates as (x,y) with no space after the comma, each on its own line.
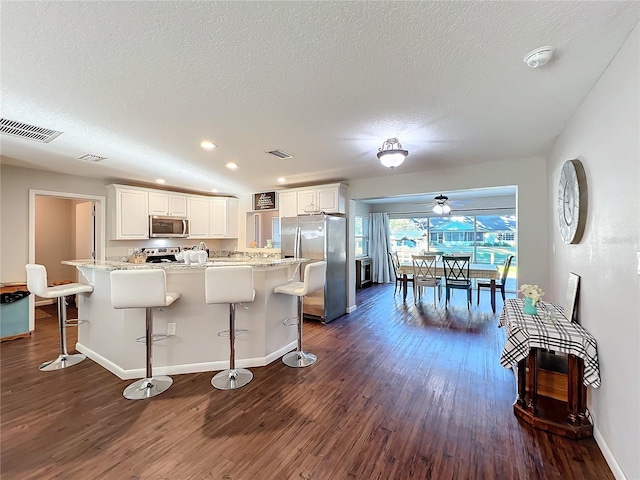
(533,331)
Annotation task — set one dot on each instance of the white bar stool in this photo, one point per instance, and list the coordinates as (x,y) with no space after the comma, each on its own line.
(37,284)
(314,279)
(230,285)
(143,289)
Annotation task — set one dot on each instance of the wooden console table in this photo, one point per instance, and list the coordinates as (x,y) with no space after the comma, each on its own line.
(363,272)
(538,401)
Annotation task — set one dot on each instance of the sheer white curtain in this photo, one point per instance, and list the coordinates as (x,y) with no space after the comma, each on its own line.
(379,245)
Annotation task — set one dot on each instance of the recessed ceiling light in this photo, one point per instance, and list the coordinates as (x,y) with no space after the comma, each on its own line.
(215,190)
(232,166)
(207,145)
(282,180)
(160,180)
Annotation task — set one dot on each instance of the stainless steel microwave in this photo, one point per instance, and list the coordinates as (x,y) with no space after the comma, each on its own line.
(168,227)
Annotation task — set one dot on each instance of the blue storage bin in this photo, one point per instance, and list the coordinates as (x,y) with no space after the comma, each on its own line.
(14,314)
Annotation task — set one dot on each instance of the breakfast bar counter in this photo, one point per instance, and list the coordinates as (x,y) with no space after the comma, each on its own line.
(108,336)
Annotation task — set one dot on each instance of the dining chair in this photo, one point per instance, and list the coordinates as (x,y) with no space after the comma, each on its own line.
(500,283)
(395,263)
(456,275)
(424,275)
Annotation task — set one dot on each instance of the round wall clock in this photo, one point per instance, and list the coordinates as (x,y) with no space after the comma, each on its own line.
(572,201)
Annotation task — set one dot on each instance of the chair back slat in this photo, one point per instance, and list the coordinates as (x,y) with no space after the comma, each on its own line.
(395,262)
(456,268)
(505,269)
(424,266)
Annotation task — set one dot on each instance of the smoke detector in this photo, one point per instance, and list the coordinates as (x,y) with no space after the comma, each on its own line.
(538,57)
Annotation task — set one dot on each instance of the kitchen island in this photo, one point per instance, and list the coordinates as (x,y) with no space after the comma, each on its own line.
(108,336)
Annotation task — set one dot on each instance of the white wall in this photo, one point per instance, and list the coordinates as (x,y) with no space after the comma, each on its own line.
(604,135)
(15,183)
(55,218)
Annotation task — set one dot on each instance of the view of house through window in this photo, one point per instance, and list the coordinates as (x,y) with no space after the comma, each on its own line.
(489,239)
(362,236)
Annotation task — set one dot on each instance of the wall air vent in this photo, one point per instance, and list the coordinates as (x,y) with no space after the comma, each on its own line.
(280,154)
(24,130)
(92,158)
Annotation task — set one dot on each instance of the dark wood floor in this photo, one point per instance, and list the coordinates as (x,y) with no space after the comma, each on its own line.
(399,392)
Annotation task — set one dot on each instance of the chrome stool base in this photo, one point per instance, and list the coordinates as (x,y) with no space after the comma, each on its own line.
(231,379)
(63,361)
(298,359)
(147,387)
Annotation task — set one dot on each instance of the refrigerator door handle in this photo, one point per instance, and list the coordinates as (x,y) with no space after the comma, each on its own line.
(296,245)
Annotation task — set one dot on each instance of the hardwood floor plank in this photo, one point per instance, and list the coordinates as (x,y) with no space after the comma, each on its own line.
(400,391)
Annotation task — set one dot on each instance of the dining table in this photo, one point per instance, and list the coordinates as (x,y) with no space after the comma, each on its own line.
(476,270)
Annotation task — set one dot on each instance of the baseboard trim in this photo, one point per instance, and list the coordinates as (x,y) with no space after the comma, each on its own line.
(48,301)
(133,373)
(608,456)
(352,308)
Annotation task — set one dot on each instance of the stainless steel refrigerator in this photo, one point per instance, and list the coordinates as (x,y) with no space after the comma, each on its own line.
(320,237)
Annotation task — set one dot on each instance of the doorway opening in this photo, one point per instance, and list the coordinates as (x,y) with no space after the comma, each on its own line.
(63,226)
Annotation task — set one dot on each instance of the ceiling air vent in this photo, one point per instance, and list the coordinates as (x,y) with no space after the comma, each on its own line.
(92,158)
(280,154)
(24,130)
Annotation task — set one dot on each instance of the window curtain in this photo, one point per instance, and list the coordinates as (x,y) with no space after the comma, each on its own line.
(379,245)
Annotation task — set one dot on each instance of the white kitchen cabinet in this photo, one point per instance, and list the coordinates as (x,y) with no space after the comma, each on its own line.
(307,200)
(223,217)
(129,212)
(198,213)
(288,203)
(166,203)
(327,198)
(332,199)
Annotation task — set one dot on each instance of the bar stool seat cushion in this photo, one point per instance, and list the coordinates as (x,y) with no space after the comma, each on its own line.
(314,278)
(140,289)
(291,288)
(37,283)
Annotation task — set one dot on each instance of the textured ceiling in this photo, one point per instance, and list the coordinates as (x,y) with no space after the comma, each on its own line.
(142,83)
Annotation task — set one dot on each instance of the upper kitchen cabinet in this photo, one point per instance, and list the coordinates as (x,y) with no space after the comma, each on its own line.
(332,198)
(307,200)
(223,217)
(213,217)
(198,213)
(128,209)
(288,203)
(167,203)
(326,198)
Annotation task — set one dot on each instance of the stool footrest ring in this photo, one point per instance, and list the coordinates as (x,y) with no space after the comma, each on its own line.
(239,332)
(156,337)
(290,322)
(74,322)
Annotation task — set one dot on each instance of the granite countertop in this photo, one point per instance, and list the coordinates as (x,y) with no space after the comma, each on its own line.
(212,262)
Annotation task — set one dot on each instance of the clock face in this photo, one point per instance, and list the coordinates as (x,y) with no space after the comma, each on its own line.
(570,188)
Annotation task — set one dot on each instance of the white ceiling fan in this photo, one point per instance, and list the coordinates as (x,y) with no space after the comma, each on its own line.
(442,205)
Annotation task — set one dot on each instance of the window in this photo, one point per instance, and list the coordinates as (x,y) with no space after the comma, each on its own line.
(488,239)
(362,236)
(275,232)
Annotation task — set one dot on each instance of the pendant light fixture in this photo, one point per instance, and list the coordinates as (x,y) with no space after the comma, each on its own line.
(391,153)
